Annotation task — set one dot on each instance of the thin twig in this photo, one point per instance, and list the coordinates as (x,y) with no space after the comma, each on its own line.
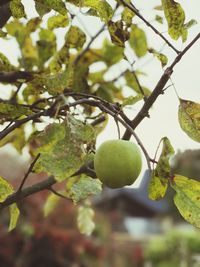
(5,12)
(88,45)
(57,193)
(139,85)
(118,129)
(30,169)
(16,197)
(14,76)
(158,90)
(14,97)
(129,128)
(136,11)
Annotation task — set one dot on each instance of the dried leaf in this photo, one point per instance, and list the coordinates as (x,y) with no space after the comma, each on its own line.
(14,215)
(138,41)
(102,7)
(160,176)
(50,204)
(63,147)
(189,118)
(187,198)
(175,17)
(84,187)
(85,220)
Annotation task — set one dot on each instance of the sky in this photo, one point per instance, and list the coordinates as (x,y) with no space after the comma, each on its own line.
(163,119)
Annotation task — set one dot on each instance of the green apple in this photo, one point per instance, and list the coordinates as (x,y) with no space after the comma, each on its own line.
(117,163)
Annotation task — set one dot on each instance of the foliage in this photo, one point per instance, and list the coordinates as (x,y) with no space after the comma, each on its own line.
(160,250)
(59,102)
(56,240)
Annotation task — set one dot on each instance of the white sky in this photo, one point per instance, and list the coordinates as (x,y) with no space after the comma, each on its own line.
(186,77)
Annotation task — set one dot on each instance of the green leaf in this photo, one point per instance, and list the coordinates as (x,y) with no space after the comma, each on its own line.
(84,187)
(161,57)
(46,45)
(14,215)
(85,220)
(157,187)
(187,198)
(29,53)
(111,54)
(11,111)
(33,24)
(175,17)
(53,84)
(160,176)
(159,19)
(6,189)
(17,9)
(16,28)
(43,6)
(138,41)
(127,16)
(189,118)
(5,64)
(16,138)
(132,81)
(103,9)
(187,26)
(50,204)
(75,37)
(159,8)
(57,21)
(63,147)
(60,58)
(190,24)
(118,34)
(2,34)
(131,100)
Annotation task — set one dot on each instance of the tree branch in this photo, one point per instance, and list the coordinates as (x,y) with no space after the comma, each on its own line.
(14,76)
(158,90)
(30,169)
(136,11)
(5,12)
(88,46)
(17,196)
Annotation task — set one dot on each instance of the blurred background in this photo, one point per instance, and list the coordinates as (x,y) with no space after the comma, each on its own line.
(130,229)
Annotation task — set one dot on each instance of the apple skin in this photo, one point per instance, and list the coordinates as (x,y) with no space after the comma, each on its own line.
(117,163)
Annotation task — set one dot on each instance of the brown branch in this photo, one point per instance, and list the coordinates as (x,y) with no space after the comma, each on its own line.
(57,193)
(158,90)
(88,168)
(78,58)
(18,123)
(135,10)
(3,2)
(30,169)
(17,196)
(139,85)
(14,76)
(5,12)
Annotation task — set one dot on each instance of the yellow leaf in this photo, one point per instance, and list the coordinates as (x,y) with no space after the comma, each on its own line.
(189,118)
(187,198)
(14,215)
(6,189)
(50,204)
(85,220)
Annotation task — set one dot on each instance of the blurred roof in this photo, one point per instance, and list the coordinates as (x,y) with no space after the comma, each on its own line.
(132,201)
